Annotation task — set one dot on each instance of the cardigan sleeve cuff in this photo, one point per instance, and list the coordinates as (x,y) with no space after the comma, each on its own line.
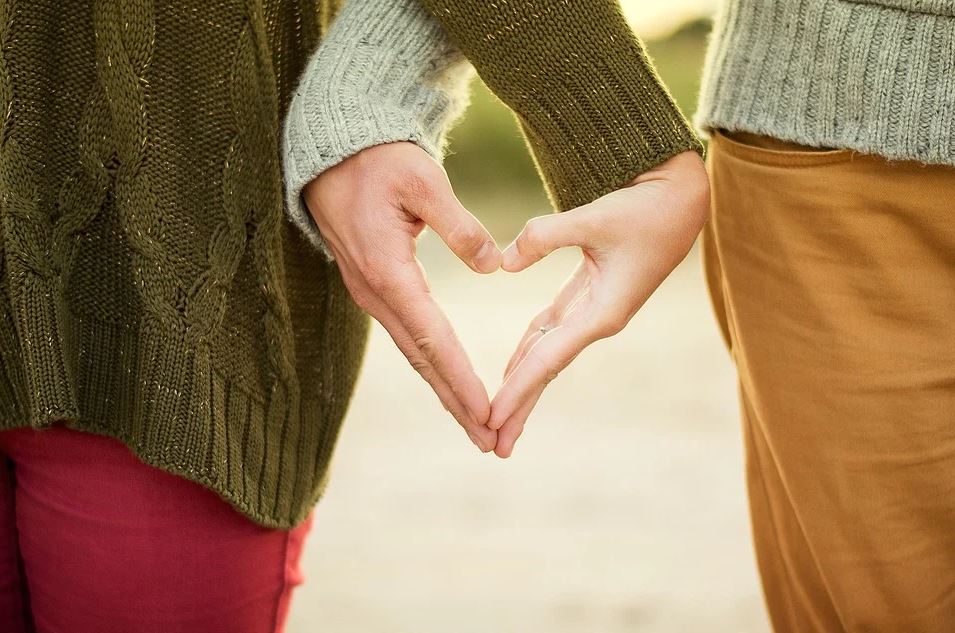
(586,95)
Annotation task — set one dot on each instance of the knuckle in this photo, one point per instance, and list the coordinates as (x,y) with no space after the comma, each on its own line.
(359,292)
(702,191)
(420,365)
(548,370)
(466,236)
(426,345)
(616,326)
(455,380)
(593,224)
(375,270)
(702,202)
(368,271)
(531,238)
(377,278)
(362,299)
(613,325)
(417,183)
(696,193)
(551,375)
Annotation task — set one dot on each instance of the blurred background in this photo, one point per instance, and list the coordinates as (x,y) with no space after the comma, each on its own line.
(623,507)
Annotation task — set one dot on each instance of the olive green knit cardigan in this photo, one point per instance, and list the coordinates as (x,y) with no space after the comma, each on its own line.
(152,288)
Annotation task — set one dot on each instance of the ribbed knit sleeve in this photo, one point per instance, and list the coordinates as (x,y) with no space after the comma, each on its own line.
(385,72)
(585,93)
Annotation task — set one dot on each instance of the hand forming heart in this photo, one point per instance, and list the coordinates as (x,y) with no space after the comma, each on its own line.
(372,207)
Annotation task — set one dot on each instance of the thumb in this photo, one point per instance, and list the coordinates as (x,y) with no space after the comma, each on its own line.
(543,235)
(438,207)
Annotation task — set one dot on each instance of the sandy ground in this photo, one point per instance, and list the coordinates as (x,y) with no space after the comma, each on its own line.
(623,508)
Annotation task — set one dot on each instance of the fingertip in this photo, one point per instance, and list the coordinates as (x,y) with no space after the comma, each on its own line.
(495,425)
(516,263)
(488,259)
(483,444)
(477,405)
(505,445)
(511,432)
(481,415)
(496,419)
(511,259)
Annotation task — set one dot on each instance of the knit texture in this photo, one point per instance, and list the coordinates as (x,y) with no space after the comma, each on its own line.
(151,286)
(877,76)
(385,72)
(585,93)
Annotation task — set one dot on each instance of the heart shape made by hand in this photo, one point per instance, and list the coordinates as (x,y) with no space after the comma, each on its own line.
(372,207)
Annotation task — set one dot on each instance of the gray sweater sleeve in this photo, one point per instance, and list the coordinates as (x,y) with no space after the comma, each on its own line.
(385,72)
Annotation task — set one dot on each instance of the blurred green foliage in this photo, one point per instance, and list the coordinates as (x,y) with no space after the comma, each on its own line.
(488,161)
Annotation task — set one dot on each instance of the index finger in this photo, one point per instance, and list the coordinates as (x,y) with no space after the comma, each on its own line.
(409,298)
(539,366)
(434,201)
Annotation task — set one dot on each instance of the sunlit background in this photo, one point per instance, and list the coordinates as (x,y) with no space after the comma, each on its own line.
(623,507)
(658,18)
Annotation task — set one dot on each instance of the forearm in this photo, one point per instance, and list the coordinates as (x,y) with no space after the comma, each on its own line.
(588,99)
(385,72)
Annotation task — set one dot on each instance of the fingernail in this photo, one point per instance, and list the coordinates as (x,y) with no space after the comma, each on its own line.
(488,258)
(475,441)
(510,256)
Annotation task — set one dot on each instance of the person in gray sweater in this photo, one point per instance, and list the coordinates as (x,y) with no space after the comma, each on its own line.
(830,260)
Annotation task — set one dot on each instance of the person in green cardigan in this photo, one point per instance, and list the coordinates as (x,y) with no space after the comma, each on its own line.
(177,355)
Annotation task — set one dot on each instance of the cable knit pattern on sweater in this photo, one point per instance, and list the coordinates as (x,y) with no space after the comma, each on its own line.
(152,288)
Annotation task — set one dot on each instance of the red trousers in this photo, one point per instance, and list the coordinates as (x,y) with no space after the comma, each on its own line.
(93,539)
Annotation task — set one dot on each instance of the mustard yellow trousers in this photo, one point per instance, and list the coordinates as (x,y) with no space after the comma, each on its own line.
(832,274)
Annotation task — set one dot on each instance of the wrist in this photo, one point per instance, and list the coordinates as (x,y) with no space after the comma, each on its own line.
(385,72)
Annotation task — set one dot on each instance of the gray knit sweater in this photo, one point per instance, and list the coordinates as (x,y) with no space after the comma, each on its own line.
(877,76)
(385,72)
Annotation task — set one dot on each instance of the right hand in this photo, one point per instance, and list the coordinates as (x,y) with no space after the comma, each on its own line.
(371,208)
(630,240)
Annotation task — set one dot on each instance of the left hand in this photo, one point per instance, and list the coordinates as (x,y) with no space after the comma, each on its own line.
(370,209)
(631,240)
